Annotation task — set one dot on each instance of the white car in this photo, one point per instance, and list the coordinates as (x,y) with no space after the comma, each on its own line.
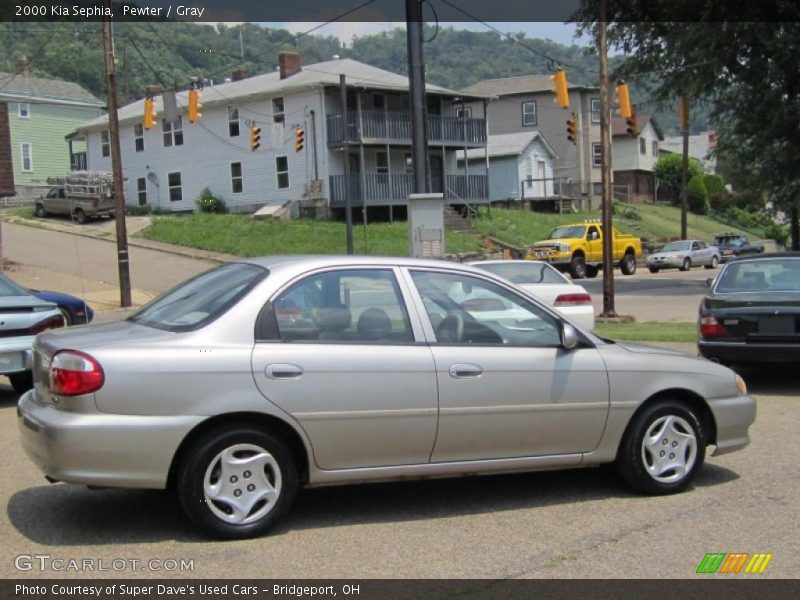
(546,284)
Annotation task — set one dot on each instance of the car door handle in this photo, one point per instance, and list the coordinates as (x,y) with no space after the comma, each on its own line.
(283,371)
(461,371)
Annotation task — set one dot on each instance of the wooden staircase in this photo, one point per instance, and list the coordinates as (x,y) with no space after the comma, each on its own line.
(453,219)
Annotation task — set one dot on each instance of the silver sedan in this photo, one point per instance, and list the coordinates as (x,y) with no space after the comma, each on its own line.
(261,376)
(684,255)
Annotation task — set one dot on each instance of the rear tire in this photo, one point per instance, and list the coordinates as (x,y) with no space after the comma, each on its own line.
(21,382)
(714,263)
(577,267)
(628,264)
(687,264)
(81,217)
(592,271)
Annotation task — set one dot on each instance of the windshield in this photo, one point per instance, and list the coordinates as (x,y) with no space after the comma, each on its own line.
(524,272)
(9,288)
(202,299)
(765,275)
(673,246)
(573,231)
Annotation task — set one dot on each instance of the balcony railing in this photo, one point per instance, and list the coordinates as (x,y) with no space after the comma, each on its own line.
(384,189)
(78,161)
(395,127)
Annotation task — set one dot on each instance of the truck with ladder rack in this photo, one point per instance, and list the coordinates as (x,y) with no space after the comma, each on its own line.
(81,195)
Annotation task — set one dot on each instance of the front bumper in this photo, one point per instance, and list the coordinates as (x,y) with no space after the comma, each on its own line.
(16,354)
(744,352)
(667,263)
(100,449)
(733,417)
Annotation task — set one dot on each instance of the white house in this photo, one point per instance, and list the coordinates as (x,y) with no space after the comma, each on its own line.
(169,165)
(701,147)
(520,166)
(633,159)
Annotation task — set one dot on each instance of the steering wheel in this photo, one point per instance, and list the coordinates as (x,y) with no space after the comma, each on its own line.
(451,329)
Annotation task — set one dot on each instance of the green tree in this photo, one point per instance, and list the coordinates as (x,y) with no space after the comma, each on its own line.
(668,170)
(697,195)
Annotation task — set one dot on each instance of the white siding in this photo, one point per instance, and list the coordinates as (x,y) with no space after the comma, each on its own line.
(626,155)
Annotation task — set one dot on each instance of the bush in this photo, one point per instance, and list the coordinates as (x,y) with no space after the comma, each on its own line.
(697,195)
(668,171)
(715,184)
(779,233)
(209,203)
(720,201)
(145,210)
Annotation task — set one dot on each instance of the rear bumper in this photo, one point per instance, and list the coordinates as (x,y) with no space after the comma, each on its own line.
(733,417)
(744,352)
(16,354)
(582,315)
(100,449)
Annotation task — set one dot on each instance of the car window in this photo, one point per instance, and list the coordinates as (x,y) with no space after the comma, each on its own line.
(52,193)
(200,300)
(765,275)
(523,273)
(468,310)
(355,306)
(695,246)
(9,288)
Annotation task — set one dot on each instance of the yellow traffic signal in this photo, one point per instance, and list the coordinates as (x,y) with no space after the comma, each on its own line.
(624,98)
(194,105)
(562,95)
(255,137)
(572,128)
(149,120)
(299,138)
(633,128)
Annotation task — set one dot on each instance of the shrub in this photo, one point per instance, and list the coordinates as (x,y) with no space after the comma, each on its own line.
(715,184)
(779,233)
(209,203)
(668,171)
(720,201)
(697,195)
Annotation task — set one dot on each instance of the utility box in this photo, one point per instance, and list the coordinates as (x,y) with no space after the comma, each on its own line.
(426,225)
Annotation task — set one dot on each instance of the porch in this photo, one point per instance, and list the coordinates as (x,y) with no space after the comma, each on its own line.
(394,127)
(383,189)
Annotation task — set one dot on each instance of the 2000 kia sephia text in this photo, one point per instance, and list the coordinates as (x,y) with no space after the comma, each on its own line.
(261,376)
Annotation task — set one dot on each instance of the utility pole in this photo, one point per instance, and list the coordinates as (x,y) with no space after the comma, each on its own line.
(605,142)
(348,204)
(416,81)
(116,163)
(684,119)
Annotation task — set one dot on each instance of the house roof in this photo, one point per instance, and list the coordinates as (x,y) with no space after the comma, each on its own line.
(41,89)
(700,145)
(524,84)
(324,74)
(509,144)
(619,126)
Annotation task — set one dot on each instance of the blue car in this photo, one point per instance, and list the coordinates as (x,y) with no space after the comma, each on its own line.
(74,310)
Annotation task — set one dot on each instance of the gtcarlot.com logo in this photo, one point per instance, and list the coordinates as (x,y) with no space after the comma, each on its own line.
(734,562)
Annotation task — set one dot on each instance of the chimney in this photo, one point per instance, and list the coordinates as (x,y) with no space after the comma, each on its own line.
(238,74)
(289,64)
(22,65)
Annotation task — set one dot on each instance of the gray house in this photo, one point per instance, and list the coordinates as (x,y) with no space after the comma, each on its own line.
(527,103)
(520,166)
(169,165)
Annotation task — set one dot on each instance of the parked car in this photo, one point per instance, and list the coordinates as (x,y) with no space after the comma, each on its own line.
(751,313)
(22,316)
(732,245)
(74,310)
(374,372)
(684,255)
(547,285)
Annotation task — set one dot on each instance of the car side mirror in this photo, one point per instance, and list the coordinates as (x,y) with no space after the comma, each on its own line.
(569,337)
(709,282)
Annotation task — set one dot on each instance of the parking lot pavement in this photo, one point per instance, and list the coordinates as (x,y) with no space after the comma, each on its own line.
(560,524)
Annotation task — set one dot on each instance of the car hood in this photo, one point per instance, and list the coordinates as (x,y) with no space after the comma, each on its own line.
(552,242)
(647,349)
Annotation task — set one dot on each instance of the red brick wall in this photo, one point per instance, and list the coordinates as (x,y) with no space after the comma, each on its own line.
(6,170)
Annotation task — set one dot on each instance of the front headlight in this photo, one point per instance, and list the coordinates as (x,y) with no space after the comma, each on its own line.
(563,247)
(741,385)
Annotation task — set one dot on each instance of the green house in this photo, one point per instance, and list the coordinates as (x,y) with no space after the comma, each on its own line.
(39,114)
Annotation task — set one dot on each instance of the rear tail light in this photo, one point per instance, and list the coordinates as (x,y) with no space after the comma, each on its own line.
(49,323)
(74,373)
(573,300)
(711,328)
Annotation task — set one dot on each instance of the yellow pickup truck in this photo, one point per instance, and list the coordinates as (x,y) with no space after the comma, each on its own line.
(578,248)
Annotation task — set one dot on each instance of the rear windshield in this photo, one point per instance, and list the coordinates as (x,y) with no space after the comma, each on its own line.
(524,272)
(765,275)
(200,300)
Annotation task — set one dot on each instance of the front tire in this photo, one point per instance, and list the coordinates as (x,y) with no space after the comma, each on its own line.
(628,264)
(21,382)
(577,267)
(653,269)
(663,449)
(40,211)
(237,482)
(687,264)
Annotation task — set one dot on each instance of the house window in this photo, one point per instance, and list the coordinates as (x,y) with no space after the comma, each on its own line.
(27,156)
(642,146)
(597,155)
(237,181)
(595,110)
(529,113)
(138,137)
(24,110)
(105,143)
(141,190)
(655,148)
(466,112)
(233,121)
(173,132)
(175,189)
(277,111)
(382,163)
(378,101)
(409,163)
(282,170)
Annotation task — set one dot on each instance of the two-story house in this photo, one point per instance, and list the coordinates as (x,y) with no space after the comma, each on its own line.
(526,103)
(634,158)
(169,165)
(36,113)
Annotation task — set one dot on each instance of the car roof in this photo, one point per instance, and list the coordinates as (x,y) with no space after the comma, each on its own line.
(478,263)
(303,263)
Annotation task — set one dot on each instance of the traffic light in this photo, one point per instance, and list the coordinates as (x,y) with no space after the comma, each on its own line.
(572,128)
(562,95)
(299,138)
(149,120)
(255,137)
(194,105)
(624,99)
(633,129)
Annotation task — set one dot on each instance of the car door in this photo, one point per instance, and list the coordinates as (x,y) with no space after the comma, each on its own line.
(594,244)
(337,350)
(506,386)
